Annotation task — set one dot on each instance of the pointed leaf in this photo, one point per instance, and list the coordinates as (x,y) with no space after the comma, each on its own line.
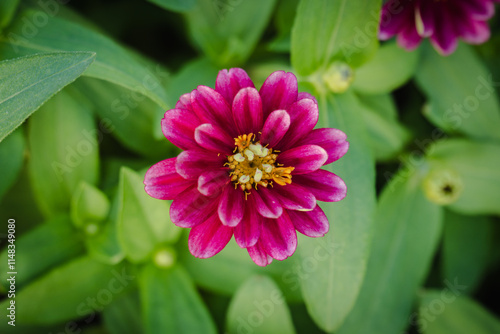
(171,304)
(339,258)
(406,235)
(325,29)
(258,306)
(27,82)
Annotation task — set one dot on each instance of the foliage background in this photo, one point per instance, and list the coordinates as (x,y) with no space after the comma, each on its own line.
(95,254)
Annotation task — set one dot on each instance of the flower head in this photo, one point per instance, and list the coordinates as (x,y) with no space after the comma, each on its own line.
(443,21)
(250,166)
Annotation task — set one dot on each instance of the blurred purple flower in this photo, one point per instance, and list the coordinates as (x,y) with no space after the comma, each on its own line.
(443,21)
(250,166)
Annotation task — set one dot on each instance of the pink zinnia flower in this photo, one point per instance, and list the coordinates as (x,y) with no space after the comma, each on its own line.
(250,166)
(443,21)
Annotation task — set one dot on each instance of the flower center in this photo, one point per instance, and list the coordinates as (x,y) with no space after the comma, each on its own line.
(254,164)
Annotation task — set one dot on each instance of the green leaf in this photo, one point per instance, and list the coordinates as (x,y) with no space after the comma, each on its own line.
(93,285)
(11,156)
(325,30)
(132,118)
(338,260)
(283,21)
(41,249)
(7,10)
(198,72)
(175,5)
(467,243)
(387,135)
(259,306)
(228,31)
(28,82)
(88,205)
(143,222)
(64,156)
(477,165)
(114,63)
(123,315)
(171,304)
(462,97)
(406,235)
(389,69)
(228,270)
(442,312)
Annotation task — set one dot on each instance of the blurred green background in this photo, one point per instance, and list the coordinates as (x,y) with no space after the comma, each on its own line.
(414,247)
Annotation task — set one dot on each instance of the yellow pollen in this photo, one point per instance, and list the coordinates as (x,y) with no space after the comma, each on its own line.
(254,164)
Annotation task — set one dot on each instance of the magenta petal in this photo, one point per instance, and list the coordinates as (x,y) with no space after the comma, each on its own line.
(247,111)
(279,91)
(275,128)
(305,159)
(478,33)
(212,183)
(425,15)
(191,208)
(278,237)
(306,95)
(324,185)
(408,38)
(333,141)
(259,255)
(444,39)
(209,238)
(303,118)
(163,182)
(184,102)
(212,108)
(191,164)
(213,139)
(395,16)
(231,206)
(294,197)
(178,126)
(229,83)
(247,232)
(266,204)
(311,223)
(478,9)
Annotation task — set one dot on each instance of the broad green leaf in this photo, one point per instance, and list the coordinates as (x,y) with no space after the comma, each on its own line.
(389,69)
(198,72)
(131,117)
(171,304)
(41,249)
(123,315)
(88,205)
(7,10)
(467,244)
(477,165)
(114,63)
(27,82)
(325,30)
(258,306)
(175,5)
(387,135)
(406,235)
(443,312)
(336,263)
(143,221)
(64,151)
(228,270)
(11,156)
(461,93)
(92,286)
(228,31)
